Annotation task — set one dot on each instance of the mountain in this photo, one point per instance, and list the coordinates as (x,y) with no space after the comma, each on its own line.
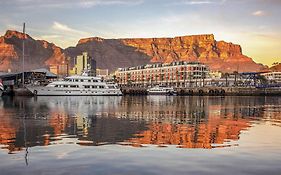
(109,53)
(276,67)
(219,55)
(38,53)
(113,53)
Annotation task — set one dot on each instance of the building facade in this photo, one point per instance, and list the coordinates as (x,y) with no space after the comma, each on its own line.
(84,62)
(104,73)
(273,77)
(60,70)
(176,74)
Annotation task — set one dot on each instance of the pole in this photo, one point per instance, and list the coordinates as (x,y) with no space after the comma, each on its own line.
(23,55)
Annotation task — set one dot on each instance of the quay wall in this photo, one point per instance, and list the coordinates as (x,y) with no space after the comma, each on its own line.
(212,91)
(203,91)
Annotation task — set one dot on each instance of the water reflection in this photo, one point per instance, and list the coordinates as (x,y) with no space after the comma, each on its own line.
(187,122)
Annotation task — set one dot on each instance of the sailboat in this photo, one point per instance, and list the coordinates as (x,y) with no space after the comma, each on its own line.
(22,91)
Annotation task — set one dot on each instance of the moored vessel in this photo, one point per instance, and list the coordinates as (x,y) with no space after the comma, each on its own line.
(161,90)
(77,86)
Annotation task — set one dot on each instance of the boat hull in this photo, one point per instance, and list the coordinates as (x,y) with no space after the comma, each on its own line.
(161,93)
(51,91)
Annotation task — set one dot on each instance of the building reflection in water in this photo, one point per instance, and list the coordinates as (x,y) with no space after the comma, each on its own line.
(187,122)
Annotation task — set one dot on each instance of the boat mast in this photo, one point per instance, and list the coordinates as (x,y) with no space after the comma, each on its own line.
(23,54)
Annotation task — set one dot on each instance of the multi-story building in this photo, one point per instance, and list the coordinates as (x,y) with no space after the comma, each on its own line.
(83,62)
(60,70)
(102,73)
(273,77)
(176,74)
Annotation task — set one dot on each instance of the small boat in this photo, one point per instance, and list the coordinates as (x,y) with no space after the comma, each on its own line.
(1,88)
(161,90)
(77,85)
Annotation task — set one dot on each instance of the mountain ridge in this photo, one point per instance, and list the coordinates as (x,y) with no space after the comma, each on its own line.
(114,53)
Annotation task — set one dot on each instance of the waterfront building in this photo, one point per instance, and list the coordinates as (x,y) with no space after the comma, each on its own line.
(102,73)
(35,76)
(175,74)
(273,77)
(84,62)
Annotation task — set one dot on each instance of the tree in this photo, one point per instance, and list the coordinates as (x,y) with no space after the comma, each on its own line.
(226,75)
(235,77)
(262,79)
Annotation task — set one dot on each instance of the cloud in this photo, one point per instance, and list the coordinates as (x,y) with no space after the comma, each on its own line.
(92,3)
(70,3)
(199,2)
(46,37)
(64,28)
(259,13)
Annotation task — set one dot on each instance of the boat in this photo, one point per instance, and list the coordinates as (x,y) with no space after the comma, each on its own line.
(1,88)
(77,85)
(161,90)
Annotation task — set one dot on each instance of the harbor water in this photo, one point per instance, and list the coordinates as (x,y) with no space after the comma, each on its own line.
(139,135)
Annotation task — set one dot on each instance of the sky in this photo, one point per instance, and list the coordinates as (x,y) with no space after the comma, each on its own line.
(254,24)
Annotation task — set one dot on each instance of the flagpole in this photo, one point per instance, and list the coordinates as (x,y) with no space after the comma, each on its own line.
(23,55)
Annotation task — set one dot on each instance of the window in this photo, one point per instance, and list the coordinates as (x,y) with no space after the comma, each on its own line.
(101,87)
(87,87)
(89,80)
(66,86)
(74,86)
(94,87)
(82,80)
(76,80)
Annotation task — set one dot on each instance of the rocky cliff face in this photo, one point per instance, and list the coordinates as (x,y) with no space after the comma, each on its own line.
(114,53)
(219,55)
(38,53)
(109,53)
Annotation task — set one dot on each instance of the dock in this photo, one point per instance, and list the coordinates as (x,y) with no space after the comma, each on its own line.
(211,91)
(195,91)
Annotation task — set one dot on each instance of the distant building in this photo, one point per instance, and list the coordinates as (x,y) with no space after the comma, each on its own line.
(215,74)
(83,62)
(102,73)
(273,77)
(60,70)
(177,74)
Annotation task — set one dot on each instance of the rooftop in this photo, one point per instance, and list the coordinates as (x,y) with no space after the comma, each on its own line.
(156,65)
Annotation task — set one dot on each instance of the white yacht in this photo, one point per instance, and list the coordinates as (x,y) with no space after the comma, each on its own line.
(77,86)
(161,90)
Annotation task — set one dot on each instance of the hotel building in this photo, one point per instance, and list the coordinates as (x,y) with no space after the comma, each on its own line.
(273,77)
(176,74)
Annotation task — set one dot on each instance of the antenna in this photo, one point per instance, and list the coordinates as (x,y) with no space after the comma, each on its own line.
(23,54)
